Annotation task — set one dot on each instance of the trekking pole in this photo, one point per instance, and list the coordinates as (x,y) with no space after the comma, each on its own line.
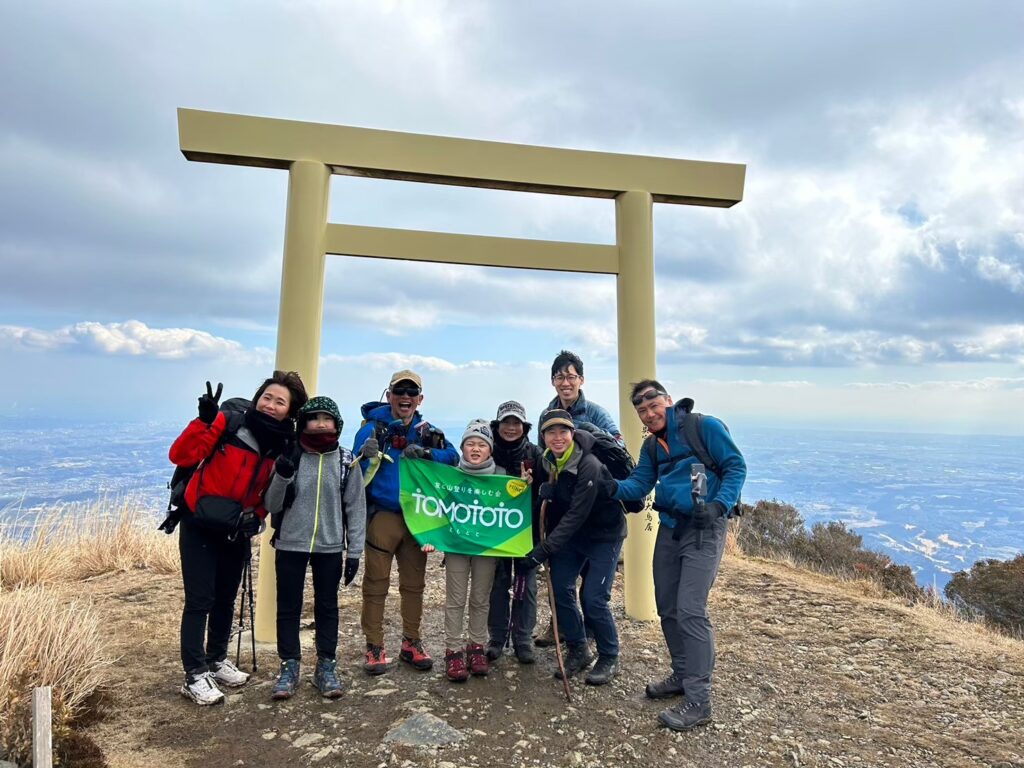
(241,614)
(554,610)
(252,610)
(698,490)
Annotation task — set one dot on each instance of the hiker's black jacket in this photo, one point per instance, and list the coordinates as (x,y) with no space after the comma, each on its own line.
(581,507)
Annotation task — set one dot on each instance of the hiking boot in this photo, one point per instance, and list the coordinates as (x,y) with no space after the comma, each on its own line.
(415,654)
(477,659)
(604,670)
(667,688)
(455,666)
(376,660)
(547,640)
(525,653)
(226,673)
(494,650)
(202,690)
(577,659)
(325,678)
(686,715)
(287,679)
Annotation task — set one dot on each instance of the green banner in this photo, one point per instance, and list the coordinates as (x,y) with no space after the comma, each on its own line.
(465,514)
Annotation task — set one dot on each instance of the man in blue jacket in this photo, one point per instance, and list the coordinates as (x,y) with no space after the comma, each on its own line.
(393,431)
(567,379)
(689,546)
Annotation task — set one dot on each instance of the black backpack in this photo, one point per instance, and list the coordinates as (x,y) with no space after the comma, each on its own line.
(616,458)
(689,425)
(234,411)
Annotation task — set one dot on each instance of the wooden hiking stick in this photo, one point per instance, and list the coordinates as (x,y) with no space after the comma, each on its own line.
(554,610)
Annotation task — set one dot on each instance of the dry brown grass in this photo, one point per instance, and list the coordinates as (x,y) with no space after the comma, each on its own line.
(45,640)
(75,541)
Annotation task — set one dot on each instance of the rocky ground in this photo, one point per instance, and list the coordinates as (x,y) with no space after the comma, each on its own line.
(811,672)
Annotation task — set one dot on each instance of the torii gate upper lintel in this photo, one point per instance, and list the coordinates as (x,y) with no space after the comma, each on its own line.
(312,152)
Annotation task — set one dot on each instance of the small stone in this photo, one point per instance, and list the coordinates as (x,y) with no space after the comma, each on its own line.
(307,740)
(423,729)
(381,692)
(268,735)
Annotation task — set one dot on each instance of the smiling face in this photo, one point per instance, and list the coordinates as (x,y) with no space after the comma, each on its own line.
(652,411)
(510,429)
(404,397)
(475,450)
(567,383)
(275,402)
(558,439)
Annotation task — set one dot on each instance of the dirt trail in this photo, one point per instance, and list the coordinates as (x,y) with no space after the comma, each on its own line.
(810,673)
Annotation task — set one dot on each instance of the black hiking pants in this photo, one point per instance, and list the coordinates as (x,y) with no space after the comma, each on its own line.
(291,579)
(211,570)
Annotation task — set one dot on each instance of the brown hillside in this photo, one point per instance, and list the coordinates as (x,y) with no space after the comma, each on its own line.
(811,672)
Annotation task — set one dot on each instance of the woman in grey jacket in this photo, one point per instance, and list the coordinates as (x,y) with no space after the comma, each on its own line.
(318,511)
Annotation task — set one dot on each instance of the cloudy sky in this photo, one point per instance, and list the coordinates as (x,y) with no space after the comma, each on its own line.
(872,278)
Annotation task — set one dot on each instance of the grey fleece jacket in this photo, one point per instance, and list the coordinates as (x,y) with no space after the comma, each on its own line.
(314,522)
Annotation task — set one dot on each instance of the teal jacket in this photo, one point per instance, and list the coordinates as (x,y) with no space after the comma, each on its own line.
(673,486)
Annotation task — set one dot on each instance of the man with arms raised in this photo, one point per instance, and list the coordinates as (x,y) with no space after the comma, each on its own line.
(690,541)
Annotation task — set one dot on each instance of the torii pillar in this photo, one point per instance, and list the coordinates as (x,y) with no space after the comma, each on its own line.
(311,152)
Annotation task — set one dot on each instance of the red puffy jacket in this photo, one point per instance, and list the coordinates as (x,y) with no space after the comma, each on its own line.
(235,469)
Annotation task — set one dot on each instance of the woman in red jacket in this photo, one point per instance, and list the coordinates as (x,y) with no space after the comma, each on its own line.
(224,501)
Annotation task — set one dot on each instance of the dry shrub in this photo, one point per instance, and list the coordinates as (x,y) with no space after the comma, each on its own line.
(45,640)
(76,541)
(122,540)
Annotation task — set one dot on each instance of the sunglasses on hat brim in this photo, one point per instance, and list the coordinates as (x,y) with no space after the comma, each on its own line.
(650,394)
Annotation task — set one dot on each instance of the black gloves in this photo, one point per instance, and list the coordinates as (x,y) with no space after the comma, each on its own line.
(370,448)
(249,523)
(705,515)
(535,557)
(414,451)
(546,492)
(209,405)
(284,466)
(351,568)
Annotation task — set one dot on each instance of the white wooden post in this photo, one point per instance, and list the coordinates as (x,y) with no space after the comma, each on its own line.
(42,730)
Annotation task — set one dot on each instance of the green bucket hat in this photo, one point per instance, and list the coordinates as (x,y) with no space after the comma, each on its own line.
(319,404)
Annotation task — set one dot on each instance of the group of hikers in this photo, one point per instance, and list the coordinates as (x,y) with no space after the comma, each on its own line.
(278,456)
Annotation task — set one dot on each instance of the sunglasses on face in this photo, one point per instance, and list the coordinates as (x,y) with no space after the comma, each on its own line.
(406,391)
(650,394)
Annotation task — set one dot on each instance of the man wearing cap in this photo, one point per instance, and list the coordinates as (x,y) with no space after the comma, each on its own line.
(690,542)
(394,430)
(514,451)
(584,528)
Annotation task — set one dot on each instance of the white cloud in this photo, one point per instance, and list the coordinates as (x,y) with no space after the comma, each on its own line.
(393,361)
(131,338)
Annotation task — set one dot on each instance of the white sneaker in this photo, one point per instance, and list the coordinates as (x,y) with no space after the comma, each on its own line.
(227,673)
(202,690)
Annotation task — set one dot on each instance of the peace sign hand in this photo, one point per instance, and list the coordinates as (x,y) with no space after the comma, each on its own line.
(209,403)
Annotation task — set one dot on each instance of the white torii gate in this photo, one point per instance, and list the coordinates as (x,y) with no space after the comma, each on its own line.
(312,152)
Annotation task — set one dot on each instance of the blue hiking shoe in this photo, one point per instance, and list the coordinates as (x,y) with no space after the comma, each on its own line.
(286,680)
(325,678)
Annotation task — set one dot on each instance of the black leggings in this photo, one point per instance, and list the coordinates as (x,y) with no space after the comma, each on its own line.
(291,579)
(211,570)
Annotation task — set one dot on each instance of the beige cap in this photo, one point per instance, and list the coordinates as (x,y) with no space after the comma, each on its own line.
(406,375)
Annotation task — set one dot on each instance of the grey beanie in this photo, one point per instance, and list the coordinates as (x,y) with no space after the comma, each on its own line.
(478,428)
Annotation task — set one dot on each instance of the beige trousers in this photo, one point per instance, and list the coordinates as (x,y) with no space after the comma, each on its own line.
(472,577)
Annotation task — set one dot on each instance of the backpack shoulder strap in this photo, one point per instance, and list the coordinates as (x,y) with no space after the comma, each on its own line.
(690,428)
(651,449)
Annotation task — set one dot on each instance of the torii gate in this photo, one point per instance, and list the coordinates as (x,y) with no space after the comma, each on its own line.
(311,152)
